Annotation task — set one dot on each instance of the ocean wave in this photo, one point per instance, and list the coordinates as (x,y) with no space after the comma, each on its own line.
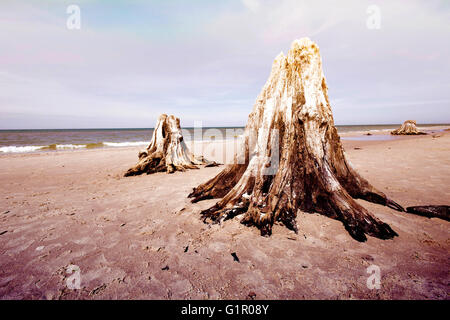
(15,149)
(54,147)
(66,146)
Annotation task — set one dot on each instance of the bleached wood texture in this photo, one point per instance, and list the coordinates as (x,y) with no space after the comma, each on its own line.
(292,158)
(167,151)
(409,127)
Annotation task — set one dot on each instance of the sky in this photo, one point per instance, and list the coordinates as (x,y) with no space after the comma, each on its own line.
(206,61)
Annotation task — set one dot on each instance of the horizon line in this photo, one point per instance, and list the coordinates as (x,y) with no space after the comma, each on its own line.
(148,128)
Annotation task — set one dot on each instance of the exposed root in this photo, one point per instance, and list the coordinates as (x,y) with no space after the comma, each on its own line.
(442,212)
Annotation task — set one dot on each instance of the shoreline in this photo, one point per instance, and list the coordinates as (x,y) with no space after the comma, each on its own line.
(142,144)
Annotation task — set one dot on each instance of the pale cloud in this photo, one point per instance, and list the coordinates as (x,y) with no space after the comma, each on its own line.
(252,5)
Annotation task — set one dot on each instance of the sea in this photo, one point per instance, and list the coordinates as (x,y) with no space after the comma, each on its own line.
(52,140)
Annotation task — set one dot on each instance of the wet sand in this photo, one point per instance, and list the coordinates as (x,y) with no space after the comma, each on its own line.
(132,240)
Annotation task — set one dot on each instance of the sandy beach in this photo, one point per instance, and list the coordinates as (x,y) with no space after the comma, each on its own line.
(141,238)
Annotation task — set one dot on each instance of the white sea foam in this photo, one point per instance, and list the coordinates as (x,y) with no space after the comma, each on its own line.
(25,149)
(70,146)
(126,144)
(15,149)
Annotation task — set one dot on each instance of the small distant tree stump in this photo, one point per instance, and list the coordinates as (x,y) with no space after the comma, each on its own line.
(292,118)
(408,128)
(167,151)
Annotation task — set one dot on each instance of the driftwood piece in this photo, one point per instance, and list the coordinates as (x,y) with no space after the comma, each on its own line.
(292,158)
(167,151)
(409,127)
(442,212)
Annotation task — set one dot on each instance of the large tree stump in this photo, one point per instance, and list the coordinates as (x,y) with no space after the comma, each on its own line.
(408,128)
(167,151)
(292,121)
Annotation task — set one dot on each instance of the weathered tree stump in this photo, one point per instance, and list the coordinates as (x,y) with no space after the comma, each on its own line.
(408,128)
(442,212)
(167,151)
(292,158)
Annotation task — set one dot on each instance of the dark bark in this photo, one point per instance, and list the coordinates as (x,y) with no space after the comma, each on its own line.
(442,212)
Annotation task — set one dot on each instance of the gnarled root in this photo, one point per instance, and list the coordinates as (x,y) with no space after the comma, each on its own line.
(261,207)
(356,219)
(442,212)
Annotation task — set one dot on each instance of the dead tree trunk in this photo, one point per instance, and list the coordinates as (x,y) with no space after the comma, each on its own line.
(408,128)
(167,151)
(292,158)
